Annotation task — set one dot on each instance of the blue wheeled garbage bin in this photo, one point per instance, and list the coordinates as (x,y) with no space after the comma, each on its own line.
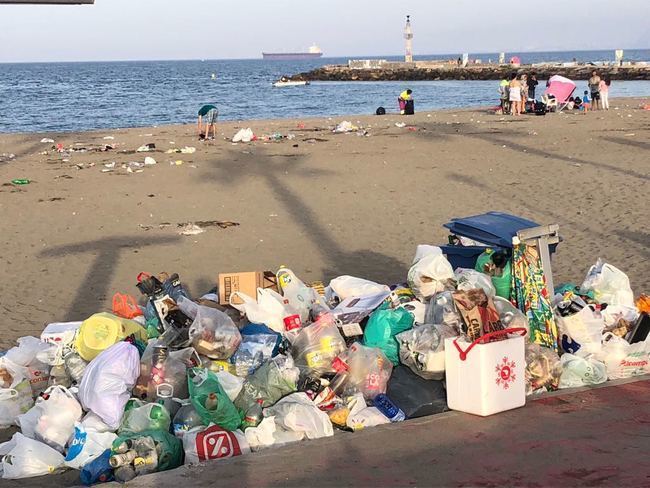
(494,229)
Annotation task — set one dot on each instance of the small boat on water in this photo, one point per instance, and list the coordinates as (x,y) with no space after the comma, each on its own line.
(283,83)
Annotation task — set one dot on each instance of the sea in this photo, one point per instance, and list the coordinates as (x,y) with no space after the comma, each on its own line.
(58,97)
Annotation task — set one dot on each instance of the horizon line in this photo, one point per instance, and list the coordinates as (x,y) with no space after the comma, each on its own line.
(324,57)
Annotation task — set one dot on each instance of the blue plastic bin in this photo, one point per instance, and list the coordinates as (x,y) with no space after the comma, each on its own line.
(496,229)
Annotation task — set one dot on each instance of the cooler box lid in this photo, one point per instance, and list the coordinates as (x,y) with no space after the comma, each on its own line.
(492,228)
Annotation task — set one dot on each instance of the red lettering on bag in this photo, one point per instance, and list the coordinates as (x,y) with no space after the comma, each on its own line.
(634,363)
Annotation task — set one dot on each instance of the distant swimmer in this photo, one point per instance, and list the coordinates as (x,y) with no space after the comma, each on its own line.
(207,115)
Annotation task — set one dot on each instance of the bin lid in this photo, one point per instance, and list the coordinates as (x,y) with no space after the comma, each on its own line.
(493,228)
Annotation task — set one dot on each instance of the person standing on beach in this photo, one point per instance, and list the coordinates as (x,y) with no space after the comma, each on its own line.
(504,95)
(594,88)
(515,95)
(532,85)
(208,114)
(404,97)
(604,92)
(524,92)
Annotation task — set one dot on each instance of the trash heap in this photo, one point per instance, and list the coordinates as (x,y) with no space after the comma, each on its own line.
(265,359)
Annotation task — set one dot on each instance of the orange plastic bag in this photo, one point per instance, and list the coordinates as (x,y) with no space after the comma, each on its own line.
(125,306)
(643,304)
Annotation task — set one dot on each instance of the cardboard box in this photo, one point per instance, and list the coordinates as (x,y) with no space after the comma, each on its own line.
(246,283)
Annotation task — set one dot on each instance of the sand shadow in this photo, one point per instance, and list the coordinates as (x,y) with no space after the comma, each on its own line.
(626,142)
(337,259)
(107,252)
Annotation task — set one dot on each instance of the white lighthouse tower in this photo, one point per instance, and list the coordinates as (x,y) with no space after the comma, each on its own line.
(408,35)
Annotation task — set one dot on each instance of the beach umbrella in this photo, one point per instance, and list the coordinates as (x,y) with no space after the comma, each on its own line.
(560,87)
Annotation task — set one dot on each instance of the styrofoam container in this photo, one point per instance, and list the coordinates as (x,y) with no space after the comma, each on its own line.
(490,379)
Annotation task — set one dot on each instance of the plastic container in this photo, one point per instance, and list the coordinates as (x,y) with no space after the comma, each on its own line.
(388,408)
(102,330)
(186,418)
(484,378)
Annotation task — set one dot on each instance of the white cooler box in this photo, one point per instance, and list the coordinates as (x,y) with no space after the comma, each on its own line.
(484,378)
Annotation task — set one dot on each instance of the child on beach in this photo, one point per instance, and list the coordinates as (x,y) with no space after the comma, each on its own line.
(586,102)
(404,97)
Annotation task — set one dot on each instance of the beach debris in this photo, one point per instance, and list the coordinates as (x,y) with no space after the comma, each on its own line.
(109,138)
(190,229)
(183,150)
(21,181)
(47,140)
(52,199)
(400,124)
(244,135)
(178,162)
(110,165)
(345,126)
(149,161)
(146,147)
(6,157)
(222,224)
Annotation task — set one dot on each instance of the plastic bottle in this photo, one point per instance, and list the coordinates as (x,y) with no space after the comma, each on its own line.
(157,374)
(186,418)
(165,397)
(388,408)
(253,415)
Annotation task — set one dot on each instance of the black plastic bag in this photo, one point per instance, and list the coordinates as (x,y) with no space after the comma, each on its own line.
(416,396)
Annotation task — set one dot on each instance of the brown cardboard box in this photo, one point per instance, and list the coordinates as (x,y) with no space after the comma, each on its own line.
(247,283)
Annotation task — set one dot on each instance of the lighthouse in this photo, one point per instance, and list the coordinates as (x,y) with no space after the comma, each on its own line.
(408,35)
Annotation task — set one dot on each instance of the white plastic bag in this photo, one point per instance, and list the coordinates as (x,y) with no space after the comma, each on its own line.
(350,286)
(86,446)
(22,457)
(422,349)
(511,316)
(470,279)
(92,422)
(15,392)
(609,284)
(581,333)
(243,135)
(30,349)
(362,416)
(268,309)
(623,359)
(268,434)
(297,413)
(213,442)
(579,371)
(300,297)
(53,417)
(429,273)
(108,381)
(230,383)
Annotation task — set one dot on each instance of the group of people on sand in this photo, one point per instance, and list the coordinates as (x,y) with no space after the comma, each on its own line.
(514,93)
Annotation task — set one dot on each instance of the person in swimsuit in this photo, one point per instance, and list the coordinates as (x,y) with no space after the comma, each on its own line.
(515,95)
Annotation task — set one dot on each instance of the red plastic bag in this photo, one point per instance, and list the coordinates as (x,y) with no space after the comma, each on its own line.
(125,306)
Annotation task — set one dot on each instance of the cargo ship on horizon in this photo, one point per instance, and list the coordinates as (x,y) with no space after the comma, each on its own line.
(313,53)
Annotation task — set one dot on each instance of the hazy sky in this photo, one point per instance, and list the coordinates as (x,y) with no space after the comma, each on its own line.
(195,29)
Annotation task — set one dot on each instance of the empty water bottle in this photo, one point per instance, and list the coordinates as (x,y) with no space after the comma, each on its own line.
(388,408)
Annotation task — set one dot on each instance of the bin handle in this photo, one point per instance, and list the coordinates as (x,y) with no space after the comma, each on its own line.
(515,330)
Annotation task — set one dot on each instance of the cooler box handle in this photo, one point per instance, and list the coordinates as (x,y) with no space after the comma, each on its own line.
(463,354)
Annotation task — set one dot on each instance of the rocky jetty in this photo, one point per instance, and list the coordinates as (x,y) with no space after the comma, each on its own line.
(477,72)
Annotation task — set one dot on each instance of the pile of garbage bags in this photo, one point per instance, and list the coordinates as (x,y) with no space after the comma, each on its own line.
(177,379)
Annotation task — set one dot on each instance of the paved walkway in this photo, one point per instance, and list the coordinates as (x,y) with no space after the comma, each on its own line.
(597,437)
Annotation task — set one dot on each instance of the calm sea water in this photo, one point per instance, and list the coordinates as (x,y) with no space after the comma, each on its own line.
(81,96)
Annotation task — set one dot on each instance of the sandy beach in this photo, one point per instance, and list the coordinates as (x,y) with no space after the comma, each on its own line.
(324,204)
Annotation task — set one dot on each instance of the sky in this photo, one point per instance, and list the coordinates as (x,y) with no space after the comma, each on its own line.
(222,29)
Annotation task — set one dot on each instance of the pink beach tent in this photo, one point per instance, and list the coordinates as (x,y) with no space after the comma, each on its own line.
(560,87)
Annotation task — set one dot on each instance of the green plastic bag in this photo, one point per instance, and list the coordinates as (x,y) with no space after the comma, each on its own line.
(383,325)
(140,417)
(170,449)
(201,383)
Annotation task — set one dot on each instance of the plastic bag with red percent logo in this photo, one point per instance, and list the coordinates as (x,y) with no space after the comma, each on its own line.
(364,369)
(206,444)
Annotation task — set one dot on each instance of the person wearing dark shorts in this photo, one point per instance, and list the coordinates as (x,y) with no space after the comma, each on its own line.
(208,115)
(594,89)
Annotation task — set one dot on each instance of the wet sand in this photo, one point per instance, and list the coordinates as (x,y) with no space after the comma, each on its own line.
(323,204)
